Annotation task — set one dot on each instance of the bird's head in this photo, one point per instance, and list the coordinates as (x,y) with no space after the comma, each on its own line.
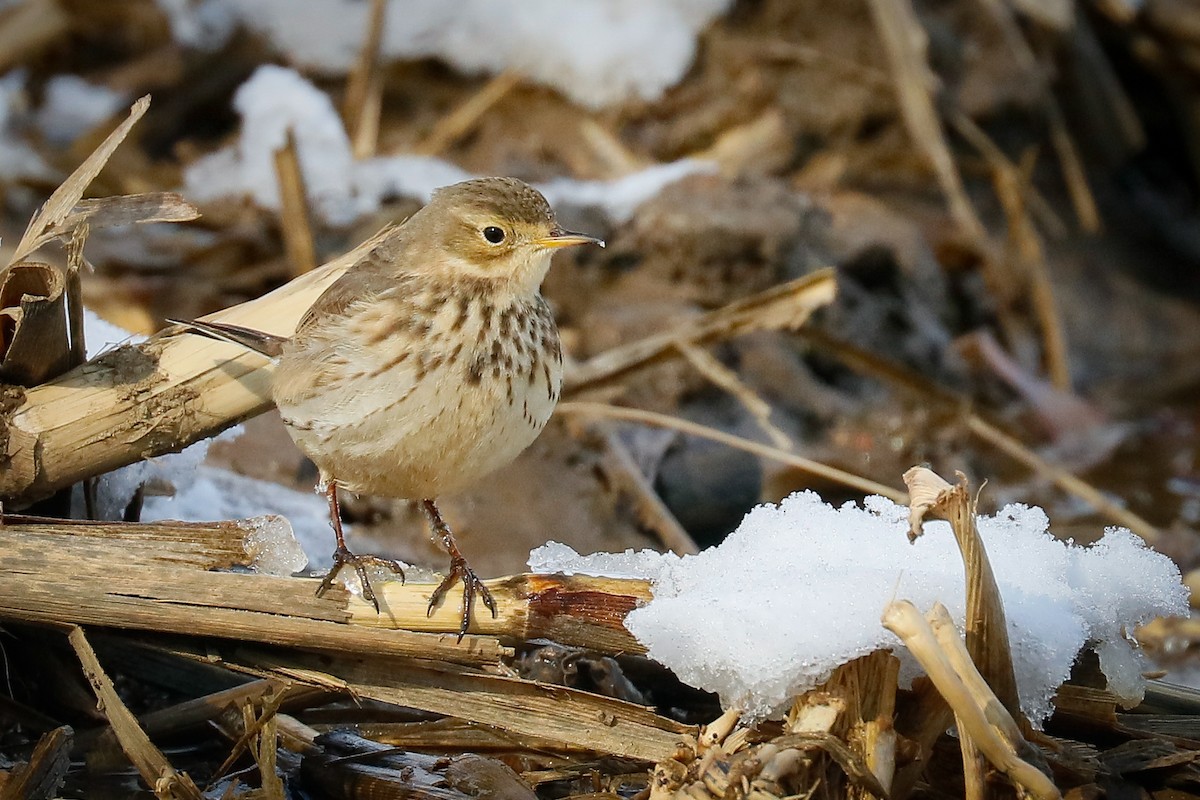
(498,229)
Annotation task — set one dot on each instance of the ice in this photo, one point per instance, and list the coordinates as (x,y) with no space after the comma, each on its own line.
(275,100)
(214,494)
(597,52)
(272,545)
(798,589)
(72,107)
(558,557)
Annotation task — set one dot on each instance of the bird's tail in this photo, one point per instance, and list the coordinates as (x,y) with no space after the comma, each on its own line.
(268,344)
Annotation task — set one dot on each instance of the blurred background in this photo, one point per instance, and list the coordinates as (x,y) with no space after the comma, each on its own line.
(1007,190)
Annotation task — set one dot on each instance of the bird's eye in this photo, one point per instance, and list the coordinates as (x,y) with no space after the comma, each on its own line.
(493,234)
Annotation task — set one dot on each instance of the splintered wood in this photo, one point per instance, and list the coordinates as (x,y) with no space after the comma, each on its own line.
(838,739)
(163,578)
(154,768)
(974,678)
(142,400)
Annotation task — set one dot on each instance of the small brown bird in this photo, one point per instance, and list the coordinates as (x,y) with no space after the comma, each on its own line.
(431,362)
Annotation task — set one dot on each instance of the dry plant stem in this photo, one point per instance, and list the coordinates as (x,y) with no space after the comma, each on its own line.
(875,687)
(294,211)
(30,27)
(573,610)
(265,753)
(905,42)
(213,707)
(986,625)
(62,201)
(727,379)
(784,307)
(956,652)
(459,122)
(815,468)
(1068,154)
(1063,479)
(42,775)
(160,577)
(871,364)
(33,305)
(364,88)
(1073,171)
(525,707)
(1038,205)
(617,159)
(755,147)
(1006,727)
(974,767)
(451,735)
(150,763)
(714,733)
(144,400)
(856,705)
(74,292)
(923,720)
(1028,250)
(252,730)
(129,209)
(621,470)
(903,619)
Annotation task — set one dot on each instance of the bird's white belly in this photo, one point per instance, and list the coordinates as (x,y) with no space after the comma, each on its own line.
(434,437)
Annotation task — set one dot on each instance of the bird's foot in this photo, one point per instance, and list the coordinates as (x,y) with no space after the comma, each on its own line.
(459,569)
(342,556)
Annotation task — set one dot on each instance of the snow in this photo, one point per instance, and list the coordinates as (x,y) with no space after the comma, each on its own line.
(620,198)
(100,335)
(799,588)
(72,107)
(278,517)
(208,494)
(202,24)
(272,102)
(597,52)
(275,100)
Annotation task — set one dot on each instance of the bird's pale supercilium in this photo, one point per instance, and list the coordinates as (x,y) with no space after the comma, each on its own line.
(431,362)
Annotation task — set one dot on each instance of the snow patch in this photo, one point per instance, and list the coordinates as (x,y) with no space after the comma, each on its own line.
(275,100)
(799,588)
(597,52)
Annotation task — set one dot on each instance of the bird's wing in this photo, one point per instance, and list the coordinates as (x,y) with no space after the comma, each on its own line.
(331,344)
(372,275)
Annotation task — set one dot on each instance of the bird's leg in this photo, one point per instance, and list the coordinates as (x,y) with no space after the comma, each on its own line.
(458,569)
(342,555)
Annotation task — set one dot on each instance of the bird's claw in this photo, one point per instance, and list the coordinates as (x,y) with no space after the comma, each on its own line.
(459,569)
(342,556)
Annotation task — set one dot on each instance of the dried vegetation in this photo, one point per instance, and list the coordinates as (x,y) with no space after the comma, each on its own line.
(956,233)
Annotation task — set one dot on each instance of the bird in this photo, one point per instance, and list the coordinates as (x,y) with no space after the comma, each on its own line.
(431,362)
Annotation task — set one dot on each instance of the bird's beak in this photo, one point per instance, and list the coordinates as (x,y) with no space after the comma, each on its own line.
(561,238)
